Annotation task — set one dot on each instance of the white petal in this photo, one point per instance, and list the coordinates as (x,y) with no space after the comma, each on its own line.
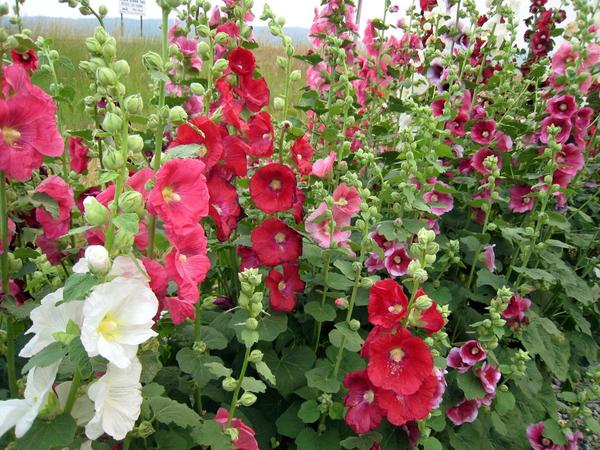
(11,411)
(124,266)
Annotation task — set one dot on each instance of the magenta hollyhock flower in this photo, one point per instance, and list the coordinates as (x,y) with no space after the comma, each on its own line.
(563,57)
(455,361)
(478,160)
(438,396)
(11,233)
(248,258)
(489,376)
(570,159)
(503,141)
(245,439)
(374,263)
(363,414)
(483,131)
(563,123)
(79,154)
(396,260)
(346,201)
(62,193)
(514,314)
(472,352)
(440,202)
(537,439)
(561,106)
(489,257)
(28,60)
(465,412)
(456,126)
(582,118)
(520,199)
(323,167)
(572,440)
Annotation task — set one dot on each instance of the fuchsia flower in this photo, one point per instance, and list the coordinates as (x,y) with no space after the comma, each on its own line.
(249,259)
(456,126)
(563,57)
(503,142)
(489,257)
(27,60)
(273,188)
(472,352)
(438,396)
(561,106)
(323,167)
(364,414)
(489,376)
(561,122)
(56,188)
(284,287)
(396,260)
(440,202)
(478,160)
(245,439)
(537,439)
(483,131)
(302,155)
(570,159)
(515,312)
(79,154)
(455,361)
(465,412)
(520,199)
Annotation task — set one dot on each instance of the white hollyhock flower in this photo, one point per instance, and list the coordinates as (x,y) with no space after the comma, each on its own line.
(117,316)
(20,413)
(95,260)
(48,319)
(127,267)
(117,398)
(83,408)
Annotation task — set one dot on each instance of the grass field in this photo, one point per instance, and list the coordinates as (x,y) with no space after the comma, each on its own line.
(71,43)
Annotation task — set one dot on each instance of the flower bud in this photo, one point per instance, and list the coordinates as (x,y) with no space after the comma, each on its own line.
(197,89)
(121,67)
(97,259)
(131,202)
(354,325)
(247,399)
(4,10)
(251,323)
(152,61)
(425,236)
(295,75)
(255,309)
(256,356)
(123,241)
(95,213)
(229,383)
(341,303)
(109,49)
(113,159)
(220,65)
(278,103)
(423,302)
(112,123)
(135,143)
(93,46)
(366,283)
(177,115)
(420,276)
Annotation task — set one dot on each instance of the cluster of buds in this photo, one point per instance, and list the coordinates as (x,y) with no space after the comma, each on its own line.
(518,365)
(251,301)
(424,252)
(491,330)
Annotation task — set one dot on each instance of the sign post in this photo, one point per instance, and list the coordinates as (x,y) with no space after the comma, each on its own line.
(134,8)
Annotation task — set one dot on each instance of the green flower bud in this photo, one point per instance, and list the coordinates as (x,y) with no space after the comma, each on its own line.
(51,406)
(95,213)
(420,276)
(109,49)
(219,66)
(131,202)
(177,115)
(423,302)
(295,75)
(247,399)
(103,10)
(229,384)
(366,283)
(123,241)
(3,35)
(221,38)
(121,68)
(354,325)
(278,103)
(144,429)
(93,46)
(256,356)
(255,309)
(135,143)
(199,346)
(251,323)
(152,61)
(425,236)
(197,89)
(106,76)
(203,48)
(112,123)
(281,62)
(4,9)
(112,159)
(341,303)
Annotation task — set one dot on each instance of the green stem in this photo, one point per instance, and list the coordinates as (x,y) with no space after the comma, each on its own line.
(197,338)
(326,261)
(238,386)
(536,233)
(73,391)
(455,27)
(127,442)
(18,14)
(158,137)
(209,76)
(286,102)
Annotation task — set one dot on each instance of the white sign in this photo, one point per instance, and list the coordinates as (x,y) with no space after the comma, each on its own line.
(133,7)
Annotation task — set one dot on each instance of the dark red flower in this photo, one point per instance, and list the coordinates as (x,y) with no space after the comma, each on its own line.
(223,207)
(302,155)
(364,413)
(457,125)
(275,243)
(79,154)
(431,320)
(483,131)
(399,362)
(56,188)
(203,132)
(284,287)
(561,122)
(249,259)
(401,409)
(27,60)
(514,314)
(298,207)
(273,188)
(242,61)
(388,303)
(234,162)
(260,135)
(478,160)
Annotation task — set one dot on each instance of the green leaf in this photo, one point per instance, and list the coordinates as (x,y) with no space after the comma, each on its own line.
(153,390)
(43,200)
(309,439)
(210,434)
(218,369)
(151,365)
(289,369)
(324,313)
(338,282)
(79,357)
(431,443)
(269,327)
(487,278)
(264,371)
(499,425)
(251,384)
(470,385)
(170,440)
(56,433)
(575,287)
(554,432)
(47,356)
(169,411)
(363,442)
(213,338)
(309,411)
(505,402)
(288,424)
(320,378)
(345,267)
(593,425)
(536,274)
(342,333)
(194,363)
(127,222)
(542,338)
(78,286)
(184,151)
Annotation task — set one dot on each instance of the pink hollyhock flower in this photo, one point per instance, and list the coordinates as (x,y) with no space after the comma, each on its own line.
(79,154)
(245,439)
(440,202)
(582,118)
(363,414)
(563,177)
(319,228)
(483,131)
(180,196)
(249,259)
(489,376)
(61,192)
(51,248)
(537,439)
(503,142)
(194,105)
(514,314)
(260,135)
(323,167)
(180,307)
(438,396)
(11,233)
(275,243)
(478,160)
(563,123)
(158,277)
(569,159)
(456,126)
(27,60)
(381,240)
(489,257)
(374,263)
(139,180)
(520,199)
(563,57)
(561,106)
(455,361)
(572,440)
(472,352)
(347,201)
(284,287)
(465,412)
(396,261)
(187,261)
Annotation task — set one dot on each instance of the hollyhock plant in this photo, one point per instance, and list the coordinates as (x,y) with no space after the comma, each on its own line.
(472,352)
(396,260)
(521,199)
(245,439)
(272,188)
(202,132)
(284,287)
(302,155)
(224,207)
(489,376)
(79,154)
(515,311)
(322,167)
(400,409)
(364,413)
(55,188)
(275,243)
(483,131)
(560,122)
(260,135)
(465,412)
(430,319)
(537,440)
(388,303)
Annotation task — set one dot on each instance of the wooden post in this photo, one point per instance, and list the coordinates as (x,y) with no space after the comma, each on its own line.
(358,9)
(141,26)
(122,26)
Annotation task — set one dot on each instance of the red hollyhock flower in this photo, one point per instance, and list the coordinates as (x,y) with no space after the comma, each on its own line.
(249,259)
(245,439)
(431,320)
(298,206)
(242,61)
(273,187)
(401,408)
(60,191)
(260,135)
(209,139)
(224,207)
(284,287)
(465,412)
(388,303)
(364,413)
(276,243)
(27,60)
(234,161)
(139,180)
(514,314)
(180,196)
(182,306)
(158,277)
(399,362)
(79,154)
(302,155)
(230,107)
(483,131)
(520,199)
(255,92)
(187,261)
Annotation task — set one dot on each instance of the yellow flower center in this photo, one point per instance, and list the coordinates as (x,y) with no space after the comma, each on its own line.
(10,135)
(275,185)
(280,238)
(369,396)
(434,198)
(202,151)
(169,195)
(108,327)
(396,355)
(395,309)
(281,285)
